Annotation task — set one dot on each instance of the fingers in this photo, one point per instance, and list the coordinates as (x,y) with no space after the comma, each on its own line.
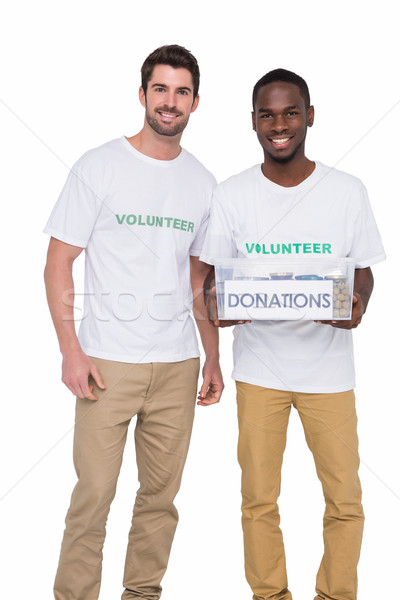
(204,389)
(226,323)
(210,393)
(209,400)
(213,397)
(81,387)
(79,374)
(344,324)
(212,312)
(81,390)
(89,394)
(97,377)
(86,390)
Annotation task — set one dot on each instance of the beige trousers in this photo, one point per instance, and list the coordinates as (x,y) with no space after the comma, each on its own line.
(330,423)
(163,396)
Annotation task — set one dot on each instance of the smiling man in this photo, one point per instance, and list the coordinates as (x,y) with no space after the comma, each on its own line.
(297,208)
(139,207)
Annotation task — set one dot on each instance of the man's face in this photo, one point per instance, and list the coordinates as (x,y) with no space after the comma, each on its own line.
(169,100)
(280,120)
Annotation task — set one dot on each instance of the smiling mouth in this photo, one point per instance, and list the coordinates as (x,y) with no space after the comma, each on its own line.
(279,141)
(167,115)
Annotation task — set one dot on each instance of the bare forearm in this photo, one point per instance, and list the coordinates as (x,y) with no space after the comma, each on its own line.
(213,383)
(77,368)
(208,284)
(363,285)
(60,298)
(208,333)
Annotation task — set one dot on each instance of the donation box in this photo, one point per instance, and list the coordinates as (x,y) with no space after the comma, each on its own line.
(314,288)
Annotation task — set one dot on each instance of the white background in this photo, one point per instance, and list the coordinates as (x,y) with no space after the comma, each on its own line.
(69,80)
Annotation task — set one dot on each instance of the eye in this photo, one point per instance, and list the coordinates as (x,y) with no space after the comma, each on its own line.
(183,92)
(292,113)
(159,89)
(265,116)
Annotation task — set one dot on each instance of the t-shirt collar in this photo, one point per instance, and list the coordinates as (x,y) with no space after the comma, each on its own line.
(154,161)
(306,184)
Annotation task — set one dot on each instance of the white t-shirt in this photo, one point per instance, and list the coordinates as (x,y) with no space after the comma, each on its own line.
(327,214)
(139,219)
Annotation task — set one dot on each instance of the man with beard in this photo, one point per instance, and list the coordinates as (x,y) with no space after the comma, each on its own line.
(295,206)
(139,207)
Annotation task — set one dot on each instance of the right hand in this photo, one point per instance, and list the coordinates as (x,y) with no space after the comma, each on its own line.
(77,368)
(212,311)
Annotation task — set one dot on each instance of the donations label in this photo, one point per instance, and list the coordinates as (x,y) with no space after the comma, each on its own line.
(276,300)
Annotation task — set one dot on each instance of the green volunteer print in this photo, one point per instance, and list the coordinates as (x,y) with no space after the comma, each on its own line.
(289,248)
(155,221)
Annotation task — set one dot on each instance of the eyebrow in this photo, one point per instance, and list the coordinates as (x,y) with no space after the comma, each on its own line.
(162,85)
(270,110)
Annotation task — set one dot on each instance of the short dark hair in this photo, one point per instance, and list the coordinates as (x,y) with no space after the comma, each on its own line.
(287,77)
(175,56)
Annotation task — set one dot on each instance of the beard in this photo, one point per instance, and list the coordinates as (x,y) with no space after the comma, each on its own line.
(286,159)
(168,129)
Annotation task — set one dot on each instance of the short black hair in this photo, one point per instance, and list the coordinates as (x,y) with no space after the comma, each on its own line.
(287,77)
(175,56)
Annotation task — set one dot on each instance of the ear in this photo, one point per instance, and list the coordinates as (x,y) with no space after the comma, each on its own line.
(142,97)
(253,120)
(310,116)
(195,103)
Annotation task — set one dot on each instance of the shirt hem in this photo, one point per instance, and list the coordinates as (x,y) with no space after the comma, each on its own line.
(301,389)
(371,261)
(64,238)
(144,358)
(206,259)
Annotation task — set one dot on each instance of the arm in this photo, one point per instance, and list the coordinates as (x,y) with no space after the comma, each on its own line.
(363,286)
(76,366)
(210,300)
(213,384)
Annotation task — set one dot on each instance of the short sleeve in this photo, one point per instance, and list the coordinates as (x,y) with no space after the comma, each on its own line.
(197,244)
(76,210)
(367,248)
(219,241)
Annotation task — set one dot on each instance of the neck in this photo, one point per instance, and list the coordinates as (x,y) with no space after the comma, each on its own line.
(160,147)
(288,174)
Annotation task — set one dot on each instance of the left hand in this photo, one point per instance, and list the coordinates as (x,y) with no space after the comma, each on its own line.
(356,315)
(213,384)
(212,311)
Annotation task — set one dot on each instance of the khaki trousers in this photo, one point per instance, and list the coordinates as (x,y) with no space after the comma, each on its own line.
(163,396)
(329,422)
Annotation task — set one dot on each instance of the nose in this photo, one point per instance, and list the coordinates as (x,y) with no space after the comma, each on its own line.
(279,124)
(169,99)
